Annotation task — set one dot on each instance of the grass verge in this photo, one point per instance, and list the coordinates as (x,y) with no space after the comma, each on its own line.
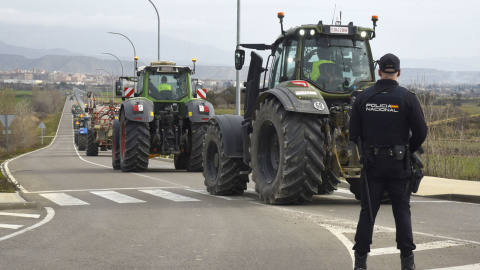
(51,122)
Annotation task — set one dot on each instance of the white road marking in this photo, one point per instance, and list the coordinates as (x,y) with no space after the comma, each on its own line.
(169,195)
(96,189)
(10,226)
(117,197)
(464,267)
(229,198)
(423,246)
(343,190)
(19,215)
(48,217)
(63,199)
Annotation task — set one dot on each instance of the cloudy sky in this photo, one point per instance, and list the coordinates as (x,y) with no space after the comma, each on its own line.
(413,29)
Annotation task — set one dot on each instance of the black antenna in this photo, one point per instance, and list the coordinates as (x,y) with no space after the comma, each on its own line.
(334,9)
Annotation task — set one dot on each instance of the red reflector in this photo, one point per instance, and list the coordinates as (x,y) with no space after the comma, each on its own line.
(300,83)
(138,118)
(135,108)
(205,119)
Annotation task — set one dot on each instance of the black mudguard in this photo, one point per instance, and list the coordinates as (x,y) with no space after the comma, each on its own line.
(231,128)
(194,114)
(145,116)
(291,103)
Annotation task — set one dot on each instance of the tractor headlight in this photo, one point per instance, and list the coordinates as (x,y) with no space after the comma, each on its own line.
(301,32)
(363,34)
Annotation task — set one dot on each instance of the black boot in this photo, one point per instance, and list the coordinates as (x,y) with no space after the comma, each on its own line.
(360,262)
(407,263)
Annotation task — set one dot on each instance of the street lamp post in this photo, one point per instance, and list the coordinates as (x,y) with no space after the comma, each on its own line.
(134,52)
(237,72)
(158,17)
(117,59)
(111,78)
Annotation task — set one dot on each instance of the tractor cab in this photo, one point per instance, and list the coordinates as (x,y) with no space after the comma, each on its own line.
(163,81)
(335,59)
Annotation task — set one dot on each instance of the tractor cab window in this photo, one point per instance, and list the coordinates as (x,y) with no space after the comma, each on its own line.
(167,86)
(335,65)
(284,61)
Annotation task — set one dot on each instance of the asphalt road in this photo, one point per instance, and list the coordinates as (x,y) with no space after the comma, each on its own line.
(92,217)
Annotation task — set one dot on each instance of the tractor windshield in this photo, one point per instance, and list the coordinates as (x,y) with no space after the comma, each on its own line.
(167,86)
(335,64)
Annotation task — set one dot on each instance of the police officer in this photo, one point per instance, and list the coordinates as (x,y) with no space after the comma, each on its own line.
(382,118)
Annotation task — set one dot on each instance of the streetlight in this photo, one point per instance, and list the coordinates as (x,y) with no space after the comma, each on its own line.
(237,72)
(134,52)
(158,17)
(117,59)
(111,78)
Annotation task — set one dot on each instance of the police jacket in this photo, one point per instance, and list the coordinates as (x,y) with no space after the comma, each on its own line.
(385,114)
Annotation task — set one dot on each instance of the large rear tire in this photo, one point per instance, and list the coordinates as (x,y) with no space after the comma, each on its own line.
(195,158)
(116,145)
(92,147)
(82,142)
(287,152)
(134,145)
(222,174)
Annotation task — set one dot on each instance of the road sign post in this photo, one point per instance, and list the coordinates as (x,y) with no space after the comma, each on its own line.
(42,126)
(6,120)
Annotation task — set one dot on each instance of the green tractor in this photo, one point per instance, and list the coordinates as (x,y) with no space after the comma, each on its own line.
(160,116)
(293,135)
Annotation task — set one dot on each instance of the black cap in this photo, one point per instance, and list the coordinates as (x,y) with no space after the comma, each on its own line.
(389,63)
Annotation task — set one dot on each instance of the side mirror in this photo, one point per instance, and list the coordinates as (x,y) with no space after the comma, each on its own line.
(118,88)
(239,59)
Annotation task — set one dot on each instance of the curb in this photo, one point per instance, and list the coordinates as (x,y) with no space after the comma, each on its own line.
(15,201)
(447,197)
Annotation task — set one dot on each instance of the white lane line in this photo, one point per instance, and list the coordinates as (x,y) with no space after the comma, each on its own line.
(423,246)
(117,197)
(229,198)
(169,195)
(10,226)
(63,199)
(463,267)
(19,215)
(48,217)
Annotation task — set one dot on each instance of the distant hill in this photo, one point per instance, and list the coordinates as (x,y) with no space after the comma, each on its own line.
(88,64)
(32,53)
(65,63)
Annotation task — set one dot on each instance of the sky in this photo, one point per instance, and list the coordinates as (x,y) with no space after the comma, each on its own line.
(411,29)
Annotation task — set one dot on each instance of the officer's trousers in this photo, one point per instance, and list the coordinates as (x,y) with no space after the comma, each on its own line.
(401,212)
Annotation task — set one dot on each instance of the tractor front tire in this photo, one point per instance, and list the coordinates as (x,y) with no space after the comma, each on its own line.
(116,145)
(92,147)
(222,174)
(287,151)
(134,145)
(82,142)
(195,158)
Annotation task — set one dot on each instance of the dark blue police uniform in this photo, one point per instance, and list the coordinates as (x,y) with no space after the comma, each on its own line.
(383,116)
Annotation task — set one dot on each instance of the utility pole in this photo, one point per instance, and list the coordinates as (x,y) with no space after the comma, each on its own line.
(237,72)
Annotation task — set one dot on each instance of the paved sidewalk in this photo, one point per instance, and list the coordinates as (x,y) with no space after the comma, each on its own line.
(14,201)
(450,189)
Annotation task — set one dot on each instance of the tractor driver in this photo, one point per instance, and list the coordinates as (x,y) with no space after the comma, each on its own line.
(324,57)
(164,86)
